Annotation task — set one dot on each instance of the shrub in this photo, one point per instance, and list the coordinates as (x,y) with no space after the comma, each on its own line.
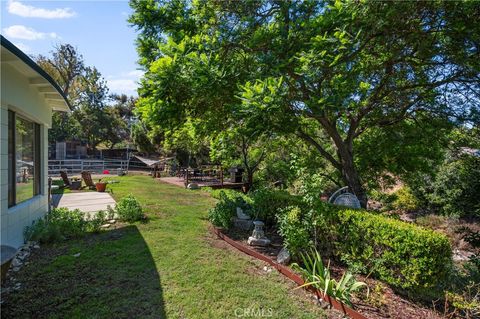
(401,254)
(226,208)
(405,200)
(267,204)
(455,188)
(317,275)
(294,229)
(221,215)
(129,209)
(61,224)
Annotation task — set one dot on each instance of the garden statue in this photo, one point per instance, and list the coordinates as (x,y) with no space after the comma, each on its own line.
(258,237)
(242,221)
(344,198)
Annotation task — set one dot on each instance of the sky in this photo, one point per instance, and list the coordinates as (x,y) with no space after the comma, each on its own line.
(97,29)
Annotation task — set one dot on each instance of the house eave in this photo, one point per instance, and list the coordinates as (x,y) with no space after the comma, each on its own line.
(45,85)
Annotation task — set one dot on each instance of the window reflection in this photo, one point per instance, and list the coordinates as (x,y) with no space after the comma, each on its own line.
(24,156)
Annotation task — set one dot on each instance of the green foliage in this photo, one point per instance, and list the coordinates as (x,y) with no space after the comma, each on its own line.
(466,303)
(455,188)
(228,200)
(401,254)
(295,230)
(405,200)
(221,215)
(268,203)
(316,274)
(262,204)
(368,86)
(129,209)
(92,119)
(61,224)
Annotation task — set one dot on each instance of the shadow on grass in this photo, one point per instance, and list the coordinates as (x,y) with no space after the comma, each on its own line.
(115,276)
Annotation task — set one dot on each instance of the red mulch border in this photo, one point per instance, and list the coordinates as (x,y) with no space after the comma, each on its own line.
(287,272)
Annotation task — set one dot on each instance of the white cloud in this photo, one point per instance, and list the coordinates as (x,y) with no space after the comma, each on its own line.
(126,82)
(18,8)
(23,47)
(26,33)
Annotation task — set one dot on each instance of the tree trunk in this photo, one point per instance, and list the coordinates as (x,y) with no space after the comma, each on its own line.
(344,164)
(351,178)
(250,178)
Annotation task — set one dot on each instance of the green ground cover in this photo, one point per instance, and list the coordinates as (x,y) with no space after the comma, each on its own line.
(170,267)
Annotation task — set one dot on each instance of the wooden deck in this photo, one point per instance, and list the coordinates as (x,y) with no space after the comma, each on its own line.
(213,184)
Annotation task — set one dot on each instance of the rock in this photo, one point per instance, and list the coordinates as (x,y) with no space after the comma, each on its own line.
(23,255)
(77,255)
(112,221)
(267,269)
(16,262)
(241,214)
(252,241)
(36,246)
(283,256)
(242,224)
(105,226)
(193,186)
(15,269)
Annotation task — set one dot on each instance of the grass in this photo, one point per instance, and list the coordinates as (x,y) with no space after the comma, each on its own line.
(24,191)
(170,267)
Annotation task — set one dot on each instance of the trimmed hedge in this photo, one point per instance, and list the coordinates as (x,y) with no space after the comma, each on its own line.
(267,204)
(403,255)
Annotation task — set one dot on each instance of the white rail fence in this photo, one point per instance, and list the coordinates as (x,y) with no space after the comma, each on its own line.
(72,166)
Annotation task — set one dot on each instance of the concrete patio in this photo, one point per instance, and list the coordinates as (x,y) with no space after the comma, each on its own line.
(87,202)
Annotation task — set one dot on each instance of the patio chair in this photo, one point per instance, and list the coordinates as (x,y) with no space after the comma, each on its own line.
(87,178)
(66,180)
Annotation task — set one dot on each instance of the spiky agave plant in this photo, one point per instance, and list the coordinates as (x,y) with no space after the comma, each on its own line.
(317,275)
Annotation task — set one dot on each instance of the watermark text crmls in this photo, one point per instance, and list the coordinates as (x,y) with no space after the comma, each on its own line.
(253,312)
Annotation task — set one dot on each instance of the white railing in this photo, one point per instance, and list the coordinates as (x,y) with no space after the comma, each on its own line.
(74,166)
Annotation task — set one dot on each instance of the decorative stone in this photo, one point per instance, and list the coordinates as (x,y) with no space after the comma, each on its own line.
(258,242)
(16,262)
(258,237)
(258,230)
(193,186)
(241,214)
(77,255)
(283,256)
(23,255)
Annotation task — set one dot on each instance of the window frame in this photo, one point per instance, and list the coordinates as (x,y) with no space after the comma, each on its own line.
(12,159)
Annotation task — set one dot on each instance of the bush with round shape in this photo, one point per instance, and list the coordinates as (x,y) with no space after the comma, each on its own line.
(129,209)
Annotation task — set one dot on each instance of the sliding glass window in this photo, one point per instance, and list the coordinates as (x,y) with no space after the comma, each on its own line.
(23,159)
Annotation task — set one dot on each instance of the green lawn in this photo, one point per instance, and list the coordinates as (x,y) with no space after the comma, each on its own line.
(170,267)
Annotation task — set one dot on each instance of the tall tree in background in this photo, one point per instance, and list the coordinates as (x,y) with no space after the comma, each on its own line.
(328,72)
(96,117)
(92,113)
(66,67)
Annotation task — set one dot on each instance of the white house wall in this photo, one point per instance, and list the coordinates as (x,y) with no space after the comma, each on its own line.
(21,97)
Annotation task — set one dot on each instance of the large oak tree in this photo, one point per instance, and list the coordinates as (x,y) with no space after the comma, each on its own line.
(327,72)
